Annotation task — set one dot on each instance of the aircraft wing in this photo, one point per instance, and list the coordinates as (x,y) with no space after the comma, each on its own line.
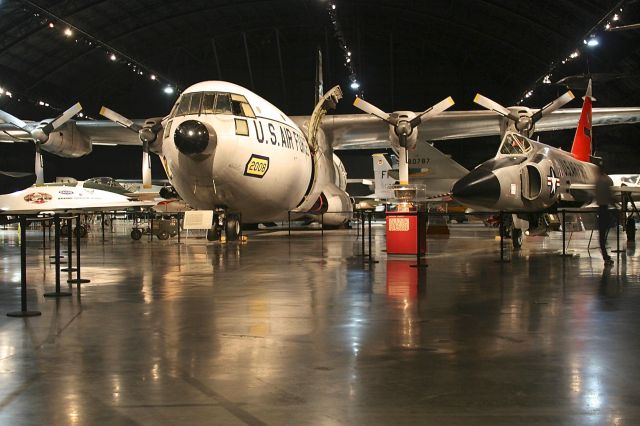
(363,131)
(98,132)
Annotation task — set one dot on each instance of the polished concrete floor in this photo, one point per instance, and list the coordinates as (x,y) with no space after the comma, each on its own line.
(300,332)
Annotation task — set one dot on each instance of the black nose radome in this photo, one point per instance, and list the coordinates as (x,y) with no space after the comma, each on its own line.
(191,137)
(480,187)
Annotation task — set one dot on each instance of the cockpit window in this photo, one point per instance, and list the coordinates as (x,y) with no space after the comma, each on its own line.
(185,103)
(212,103)
(223,104)
(208,102)
(194,107)
(514,144)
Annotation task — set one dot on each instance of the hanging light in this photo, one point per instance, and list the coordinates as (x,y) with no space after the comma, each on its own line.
(168,90)
(68,32)
(112,57)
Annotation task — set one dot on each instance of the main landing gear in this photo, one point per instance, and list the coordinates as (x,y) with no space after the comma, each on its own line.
(229,223)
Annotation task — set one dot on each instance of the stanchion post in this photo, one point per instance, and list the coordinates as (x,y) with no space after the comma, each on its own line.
(78,280)
(369,214)
(564,230)
(322,224)
(179,222)
(57,292)
(69,267)
(420,222)
(102,218)
(44,236)
(362,231)
(23,312)
(289,222)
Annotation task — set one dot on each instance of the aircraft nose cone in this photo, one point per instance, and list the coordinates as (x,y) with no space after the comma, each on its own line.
(479,187)
(191,137)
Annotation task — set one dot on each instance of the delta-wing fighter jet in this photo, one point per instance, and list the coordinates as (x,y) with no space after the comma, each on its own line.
(527,178)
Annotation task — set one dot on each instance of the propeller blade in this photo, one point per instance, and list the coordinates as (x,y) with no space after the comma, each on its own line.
(65,116)
(432,112)
(365,106)
(552,106)
(487,103)
(146,169)
(39,166)
(120,119)
(8,118)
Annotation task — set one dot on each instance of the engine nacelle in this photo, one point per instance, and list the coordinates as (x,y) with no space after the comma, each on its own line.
(67,142)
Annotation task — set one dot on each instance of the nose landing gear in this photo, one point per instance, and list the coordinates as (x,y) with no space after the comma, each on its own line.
(229,222)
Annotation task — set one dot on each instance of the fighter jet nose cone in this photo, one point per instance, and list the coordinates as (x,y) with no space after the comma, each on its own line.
(479,188)
(191,137)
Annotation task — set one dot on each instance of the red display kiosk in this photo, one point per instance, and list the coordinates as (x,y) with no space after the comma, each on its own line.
(406,232)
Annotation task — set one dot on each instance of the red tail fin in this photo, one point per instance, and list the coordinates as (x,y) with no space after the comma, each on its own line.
(581,148)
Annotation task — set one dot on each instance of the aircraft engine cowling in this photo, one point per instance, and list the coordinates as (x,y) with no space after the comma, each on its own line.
(67,142)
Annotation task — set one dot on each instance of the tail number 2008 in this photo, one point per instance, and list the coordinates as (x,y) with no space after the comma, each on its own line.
(257,166)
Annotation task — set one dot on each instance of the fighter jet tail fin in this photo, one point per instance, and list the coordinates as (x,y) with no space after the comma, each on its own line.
(381,168)
(581,148)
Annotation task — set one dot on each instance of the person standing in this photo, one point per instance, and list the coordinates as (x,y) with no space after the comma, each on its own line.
(604,197)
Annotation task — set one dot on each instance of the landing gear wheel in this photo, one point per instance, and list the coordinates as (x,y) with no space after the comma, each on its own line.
(163,235)
(136,234)
(516,238)
(232,229)
(64,231)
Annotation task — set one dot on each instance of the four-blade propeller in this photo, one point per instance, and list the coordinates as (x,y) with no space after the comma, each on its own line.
(147,134)
(523,123)
(40,133)
(403,125)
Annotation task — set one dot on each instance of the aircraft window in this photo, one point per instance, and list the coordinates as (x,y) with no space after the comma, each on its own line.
(195,103)
(236,108)
(185,102)
(223,104)
(240,106)
(208,101)
(511,146)
(242,127)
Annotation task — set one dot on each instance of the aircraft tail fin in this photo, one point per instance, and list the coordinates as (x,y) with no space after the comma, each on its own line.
(581,148)
(381,168)
(426,161)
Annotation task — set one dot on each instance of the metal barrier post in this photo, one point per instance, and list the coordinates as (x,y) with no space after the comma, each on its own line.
(179,222)
(78,280)
(289,222)
(102,218)
(564,225)
(23,312)
(420,223)
(57,292)
(69,267)
(362,231)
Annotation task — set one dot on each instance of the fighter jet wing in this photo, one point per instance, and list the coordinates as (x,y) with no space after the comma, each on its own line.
(363,131)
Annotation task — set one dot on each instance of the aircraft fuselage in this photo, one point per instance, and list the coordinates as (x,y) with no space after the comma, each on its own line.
(526,176)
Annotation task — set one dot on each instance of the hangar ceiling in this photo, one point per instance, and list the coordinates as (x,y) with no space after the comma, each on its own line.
(405,54)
